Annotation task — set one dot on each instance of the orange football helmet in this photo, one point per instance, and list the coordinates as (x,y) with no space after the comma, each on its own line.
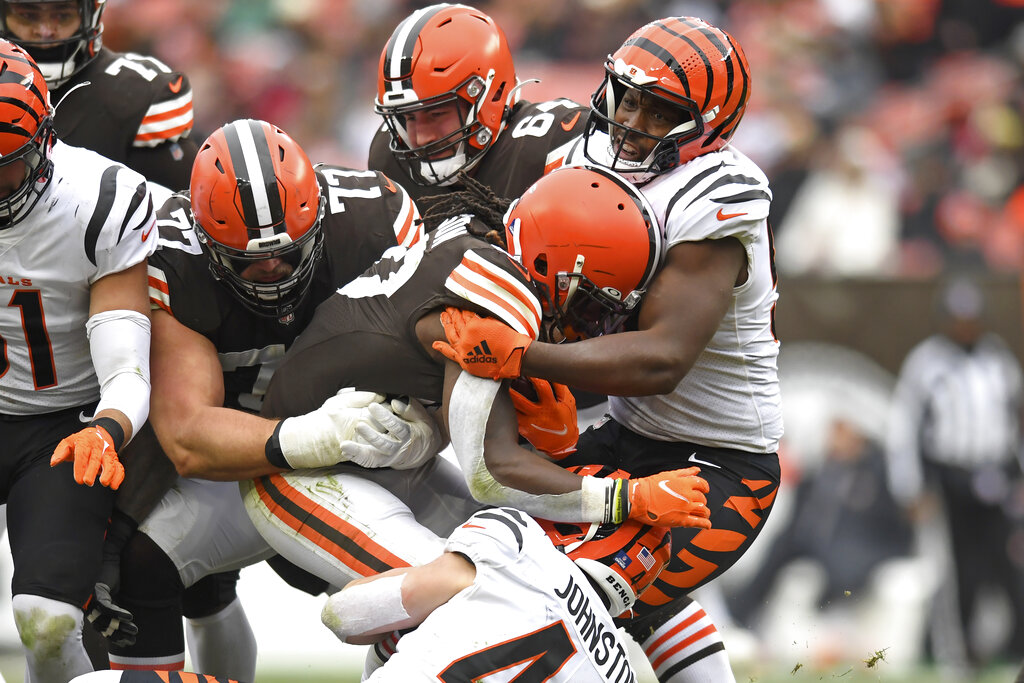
(255,197)
(591,243)
(691,65)
(60,60)
(26,133)
(622,560)
(438,55)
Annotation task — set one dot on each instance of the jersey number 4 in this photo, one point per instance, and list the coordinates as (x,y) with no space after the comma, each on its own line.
(539,656)
(40,353)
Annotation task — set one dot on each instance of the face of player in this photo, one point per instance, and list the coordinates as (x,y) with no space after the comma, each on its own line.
(267,270)
(645,113)
(427,126)
(12,177)
(43,22)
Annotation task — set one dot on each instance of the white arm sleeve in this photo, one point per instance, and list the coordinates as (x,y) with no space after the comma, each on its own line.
(119,344)
(366,608)
(470,407)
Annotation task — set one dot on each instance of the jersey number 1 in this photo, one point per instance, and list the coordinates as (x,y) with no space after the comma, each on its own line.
(40,353)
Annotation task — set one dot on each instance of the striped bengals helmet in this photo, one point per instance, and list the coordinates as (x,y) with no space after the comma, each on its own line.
(591,243)
(26,131)
(441,54)
(255,197)
(621,559)
(687,63)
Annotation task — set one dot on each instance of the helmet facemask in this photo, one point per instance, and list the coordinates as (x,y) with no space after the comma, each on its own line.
(459,150)
(35,155)
(60,60)
(277,299)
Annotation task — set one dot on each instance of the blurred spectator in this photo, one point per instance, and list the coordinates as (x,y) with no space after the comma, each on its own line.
(844,519)
(954,444)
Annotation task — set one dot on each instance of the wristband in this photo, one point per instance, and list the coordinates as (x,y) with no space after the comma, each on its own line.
(617,502)
(275,456)
(111,427)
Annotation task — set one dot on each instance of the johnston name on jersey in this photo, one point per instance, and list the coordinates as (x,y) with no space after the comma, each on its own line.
(365,214)
(530,614)
(365,335)
(94,218)
(534,141)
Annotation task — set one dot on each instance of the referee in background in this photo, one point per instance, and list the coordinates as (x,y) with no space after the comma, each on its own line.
(955,439)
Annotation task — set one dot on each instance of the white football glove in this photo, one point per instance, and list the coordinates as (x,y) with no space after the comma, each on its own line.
(403,437)
(316,438)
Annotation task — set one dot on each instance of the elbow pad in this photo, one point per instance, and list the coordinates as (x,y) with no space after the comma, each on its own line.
(119,345)
(468,412)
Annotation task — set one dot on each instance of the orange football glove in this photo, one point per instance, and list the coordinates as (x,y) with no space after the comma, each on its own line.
(547,415)
(674,498)
(92,450)
(484,347)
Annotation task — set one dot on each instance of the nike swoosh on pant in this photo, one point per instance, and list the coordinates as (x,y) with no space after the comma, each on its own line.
(697,461)
(82,417)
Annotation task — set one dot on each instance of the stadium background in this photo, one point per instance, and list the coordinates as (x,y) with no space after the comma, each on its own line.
(914,105)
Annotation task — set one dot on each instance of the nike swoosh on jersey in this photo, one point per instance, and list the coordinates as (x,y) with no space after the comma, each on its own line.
(663,485)
(556,432)
(694,459)
(82,417)
(567,125)
(726,216)
(175,86)
(145,235)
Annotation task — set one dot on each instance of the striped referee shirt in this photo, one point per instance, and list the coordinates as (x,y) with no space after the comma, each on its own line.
(953,406)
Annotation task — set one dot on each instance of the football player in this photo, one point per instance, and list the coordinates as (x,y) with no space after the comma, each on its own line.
(128,107)
(448,93)
(695,382)
(575,268)
(244,259)
(76,230)
(508,591)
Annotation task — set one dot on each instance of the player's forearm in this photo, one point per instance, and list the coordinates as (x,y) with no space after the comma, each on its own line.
(218,443)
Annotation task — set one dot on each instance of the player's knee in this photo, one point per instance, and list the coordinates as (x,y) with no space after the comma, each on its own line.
(210,595)
(148,575)
(46,626)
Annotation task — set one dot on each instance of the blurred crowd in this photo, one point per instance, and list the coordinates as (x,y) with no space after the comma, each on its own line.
(892,130)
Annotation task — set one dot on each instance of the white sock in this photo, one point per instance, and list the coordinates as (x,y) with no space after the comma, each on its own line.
(223,644)
(55,630)
(688,649)
(378,654)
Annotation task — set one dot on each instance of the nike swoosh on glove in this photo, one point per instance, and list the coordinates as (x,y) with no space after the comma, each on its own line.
(547,421)
(92,451)
(673,498)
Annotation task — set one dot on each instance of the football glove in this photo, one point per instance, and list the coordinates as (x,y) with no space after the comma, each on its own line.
(113,622)
(484,347)
(402,436)
(92,450)
(316,438)
(546,412)
(674,498)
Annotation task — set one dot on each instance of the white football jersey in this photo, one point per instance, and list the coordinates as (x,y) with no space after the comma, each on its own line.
(530,614)
(94,218)
(730,397)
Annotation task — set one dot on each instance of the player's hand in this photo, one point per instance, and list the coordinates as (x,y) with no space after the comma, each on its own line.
(92,451)
(316,438)
(674,498)
(402,435)
(484,347)
(112,621)
(546,412)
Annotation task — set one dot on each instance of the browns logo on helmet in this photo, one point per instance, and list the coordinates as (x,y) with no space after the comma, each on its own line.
(58,59)
(590,242)
(26,134)
(256,199)
(683,62)
(439,55)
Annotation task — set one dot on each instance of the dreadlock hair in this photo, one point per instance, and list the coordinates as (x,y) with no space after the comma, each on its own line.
(476,199)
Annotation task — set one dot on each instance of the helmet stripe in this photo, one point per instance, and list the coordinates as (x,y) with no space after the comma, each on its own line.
(651,47)
(257,183)
(398,63)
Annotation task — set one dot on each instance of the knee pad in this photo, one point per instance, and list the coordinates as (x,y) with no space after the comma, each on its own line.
(210,594)
(46,626)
